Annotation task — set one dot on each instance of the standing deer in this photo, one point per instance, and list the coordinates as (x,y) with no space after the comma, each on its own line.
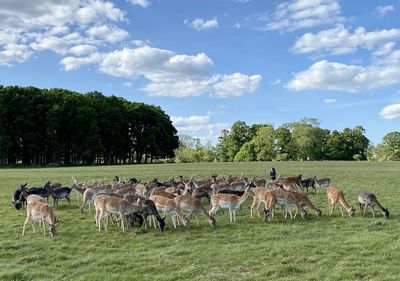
(228,201)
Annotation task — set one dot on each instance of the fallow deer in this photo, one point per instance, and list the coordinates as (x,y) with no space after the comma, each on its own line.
(302,203)
(40,211)
(335,195)
(193,206)
(228,201)
(169,207)
(366,199)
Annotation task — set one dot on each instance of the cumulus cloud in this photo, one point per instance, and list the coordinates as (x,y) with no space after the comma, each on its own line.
(340,40)
(80,50)
(324,75)
(59,26)
(383,10)
(201,24)
(168,73)
(298,14)
(110,34)
(143,3)
(391,111)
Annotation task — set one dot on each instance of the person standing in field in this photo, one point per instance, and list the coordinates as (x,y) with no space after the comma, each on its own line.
(272,174)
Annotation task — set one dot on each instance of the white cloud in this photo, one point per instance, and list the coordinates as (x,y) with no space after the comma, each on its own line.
(81,50)
(110,34)
(235,84)
(237,25)
(298,14)
(201,24)
(324,75)
(168,73)
(383,10)
(58,26)
(329,101)
(143,3)
(199,126)
(14,52)
(391,111)
(340,40)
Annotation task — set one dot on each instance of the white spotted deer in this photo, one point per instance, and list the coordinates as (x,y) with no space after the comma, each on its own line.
(37,210)
(168,206)
(193,206)
(336,196)
(231,202)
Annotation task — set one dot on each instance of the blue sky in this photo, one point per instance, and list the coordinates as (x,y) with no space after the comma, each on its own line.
(209,63)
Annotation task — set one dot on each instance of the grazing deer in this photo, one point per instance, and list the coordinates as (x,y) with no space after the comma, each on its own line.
(366,199)
(228,201)
(193,206)
(321,183)
(40,211)
(302,203)
(260,182)
(263,195)
(169,207)
(335,196)
(286,200)
(148,209)
(106,205)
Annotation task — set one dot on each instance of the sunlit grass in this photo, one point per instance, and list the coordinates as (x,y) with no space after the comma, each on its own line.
(330,248)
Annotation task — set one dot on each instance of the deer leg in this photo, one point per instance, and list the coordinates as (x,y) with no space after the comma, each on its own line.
(373,211)
(26,221)
(213,210)
(174,220)
(69,201)
(341,210)
(44,228)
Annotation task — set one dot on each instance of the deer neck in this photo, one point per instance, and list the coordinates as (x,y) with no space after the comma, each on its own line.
(344,204)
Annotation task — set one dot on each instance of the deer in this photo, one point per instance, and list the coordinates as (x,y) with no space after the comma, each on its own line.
(321,183)
(366,199)
(106,205)
(79,187)
(336,196)
(148,209)
(169,206)
(263,195)
(193,206)
(90,193)
(286,200)
(59,193)
(302,203)
(38,210)
(228,201)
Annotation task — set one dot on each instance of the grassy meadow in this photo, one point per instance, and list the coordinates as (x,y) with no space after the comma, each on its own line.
(330,248)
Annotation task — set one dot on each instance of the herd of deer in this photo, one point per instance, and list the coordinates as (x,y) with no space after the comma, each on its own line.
(127,202)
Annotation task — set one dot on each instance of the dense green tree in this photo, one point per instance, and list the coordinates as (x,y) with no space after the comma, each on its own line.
(59,126)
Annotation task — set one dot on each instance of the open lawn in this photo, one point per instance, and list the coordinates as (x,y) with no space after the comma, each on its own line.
(330,248)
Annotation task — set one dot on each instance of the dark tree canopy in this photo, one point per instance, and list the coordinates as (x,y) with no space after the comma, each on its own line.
(40,126)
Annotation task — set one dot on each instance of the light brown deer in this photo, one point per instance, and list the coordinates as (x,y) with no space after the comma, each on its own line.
(231,202)
(302,203)
(107,205)
(168,206)
(193,206)
(265,196)
(335,195)
(40,211)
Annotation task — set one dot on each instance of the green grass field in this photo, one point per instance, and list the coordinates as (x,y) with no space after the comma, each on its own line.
(330,248)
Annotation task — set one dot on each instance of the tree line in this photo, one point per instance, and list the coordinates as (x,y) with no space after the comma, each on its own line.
(43,126)
(301,140)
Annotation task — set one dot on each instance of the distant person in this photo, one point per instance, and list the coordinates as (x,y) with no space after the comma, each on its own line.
(272,174)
